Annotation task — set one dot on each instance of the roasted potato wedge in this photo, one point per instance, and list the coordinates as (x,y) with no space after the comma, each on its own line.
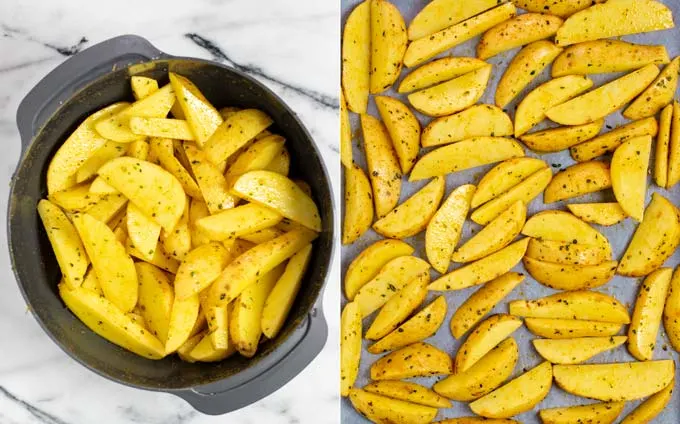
(388,45)
(369,262)
(565,227)
(674,148)
(518,31)
(603,413)
(557,139)
(486,336)
(156,296)
(383,409)
(358,204)
(398,308)
(142,86)
(671,312)
(561,8)
(647,314)
(659,94)
(416,360)
(200,268)
(566,252)
(578,180)
(505,176)
(557,328)
(577,350)
(609,141)
(410,392)
(440,14)
(662,147)
(579,305)
(202,117)
(651,407)
(356,57)
(570,277)
(403,127)
(629,175)
(475,121)
(598,213)
(350,346)
(438,71)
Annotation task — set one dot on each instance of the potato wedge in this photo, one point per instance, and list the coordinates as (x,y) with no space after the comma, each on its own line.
(570,277)
(398,308)
(142,231)
(482,270)
(412,216)
(356,57)
(438,71)
(202,117)
(598,213)
(161,259)
(90,282)
(410,392)
(525,192)
(465,154)
(662,147)
(383,409)
(556,139)
(519,395)
(604,56)
(281,163)
(177,129)
(578,180)
(238,221)
(350,346)
(419,327)
(659,94)
(518,31)
(444,229)
(532,109)
(108,151)
(452,96)
(440,14)
(674,148)
(566,252)
(388,45)
(416,360)
(505,176)
(557,328)
(603,413)
(156,297)
(671,313)
(99,186)
(345,135)
(476,420)
(177,243)
(210,181)
(577,350)
(197,210)
(646,319)
(403,127)
(358,204)
(164,151)
(204,351)
(65,242)
(524,68)
(602,101)
(200,268)
(76,199)
(561,8)
(486,336)
(654,240)
(475,121)
(482,301)
(609,141)
(369,262)
(499,233)
(651,407)
(629,175)
(383,165)
(183,317)
(564,227)
(234,133)
(595,22)
(142,86)
(260,236)
(138,149)
(422,49)
(580,305)
(615,382)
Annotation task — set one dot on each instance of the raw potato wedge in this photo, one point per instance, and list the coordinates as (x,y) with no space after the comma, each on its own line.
(505,176)
(615,382)
(238,221)
(601,413)
(350,346)
(636,16)
(164,151)
(356,57)
(475,121)
(518,31)
(646,319)
(138,149)
(383,165)
(654,240)
(674,150)
(604,56)
(197,210)
(556,328)
(532,109)
(580,305)
(383,409)
(452,96)
(369,262)
(156,297)
(577,350)
(438,71)
(143,86)
(388,45)
(99,186)
(484,376)
(482,270)
(566,252)
(258,155)
(403,127)
(524,68)
(142,231)
(570,277)
(161,259)
(398,308)
(499,233)
(234,133)
(482,301)
(65,242)
(444,229)
(609,141)
(565,227)
(394,276)
(557,139)
(486,336)
(419,327)
(204,351)
(465,154)
(606,99)
(578,180)
(517,396)
(358,204)
(476,420)
(90,282)
(598,213)
(659,94)
(422,49)
(651,407)
(671,312)
(629,175)
(440,14)
(202,117)
(177,129)
(183,317)
(410,392)
(281,163)
(561,8)
(345,134)
(200,268)
(416,360)
(412,216)
(110,150)
(75,199)
(525,192)
(662,147)
(177,242)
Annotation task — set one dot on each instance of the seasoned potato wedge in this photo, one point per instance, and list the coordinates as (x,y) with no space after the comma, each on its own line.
(487,374)
(143,86)
(598,213)
(204,351)
(662,147)
(138,149)
(200,268)
(398,308)
(486,336)
(155,300)
(504,176)
(177,243)
(519,395)
(464,155)
(412,216)
(476,420)
(202,117)
(177,129)
(475,121)
(108,151)
(561,8)
(183,317)
(557,328)
(234,133)
(369,262)
(76,199)
(350,346)
(281,163)
(609,141)
(419,327)
(578,180)
(482,270)
(566,252)
(238,221)
(654,240)
(99,186)
(452,96)
(160,258)
(603,413)
(356,57)
(629,175)
(565,227)
(444,229)
(383,409)
(596,22)
(659,94)
(438,71)
(577,350)
(671,312)
(142,231)
(556,139)
(440,14)
(358,204)
(90,282)
(164,151)
(651,407)
(345,135)
(524,68)
(570,277)
(674,148)
(388,45)
(410,392)
(649,306)
(518,31)
(615,382)
(403,127)
(416,360)
(579,305)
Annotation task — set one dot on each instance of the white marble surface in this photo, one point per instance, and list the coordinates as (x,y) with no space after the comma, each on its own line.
(294,49)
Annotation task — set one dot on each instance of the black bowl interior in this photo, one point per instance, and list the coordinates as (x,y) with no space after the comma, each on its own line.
(35,264)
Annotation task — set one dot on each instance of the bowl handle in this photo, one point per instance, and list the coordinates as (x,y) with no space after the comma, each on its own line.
(73,74)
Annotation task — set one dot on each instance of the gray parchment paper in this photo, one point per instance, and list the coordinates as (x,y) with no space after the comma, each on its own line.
(624,289)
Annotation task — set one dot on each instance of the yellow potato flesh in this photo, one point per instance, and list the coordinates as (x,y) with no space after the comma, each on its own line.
(647,314)
(356,57)
(90,282)
(662,147)
(210,181)
(603,413)
(156,297)
(505,176)
(234,133)
(143,87)
(562,8)
(554,140)
(397,309)
(160,258)
(570,277)
(577,350)
(440,14)
(350,346)
(629,175)
(161,127)
(358,205)
(163,149)
(556,328)
(403,127)
(416,360)
(381,409)
(475,121)
(199,268)
(202,117)
(578,180)
(345,136)
(410,392)
(671,313)
(108,151)
(388,44)
(609,141)
(674,148)
(598,213)
(142,231)
(177,242)
(566,252)
(257,156)
(438,71)
(108,208)
(238,221)
(659,94)
(183,317)
(518,31)
(579,305)
(651,407)
(204,351)
(485,337)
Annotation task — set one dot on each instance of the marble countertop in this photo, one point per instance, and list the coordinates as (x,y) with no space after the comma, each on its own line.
(295,52)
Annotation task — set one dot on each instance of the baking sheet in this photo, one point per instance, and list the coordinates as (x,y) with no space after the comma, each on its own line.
(624,289)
